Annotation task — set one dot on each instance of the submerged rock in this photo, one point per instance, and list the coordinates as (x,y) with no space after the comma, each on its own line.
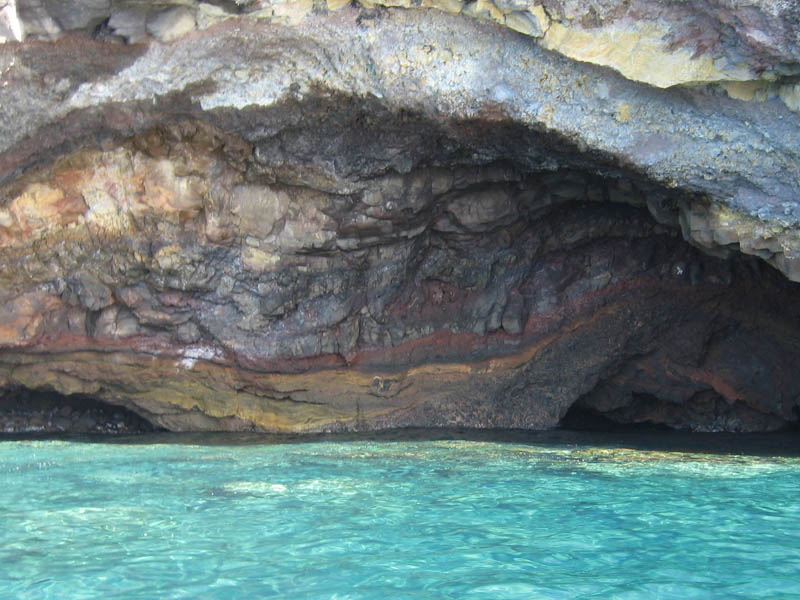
(293,217)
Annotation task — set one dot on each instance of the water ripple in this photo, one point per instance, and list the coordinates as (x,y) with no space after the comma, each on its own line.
(420,519)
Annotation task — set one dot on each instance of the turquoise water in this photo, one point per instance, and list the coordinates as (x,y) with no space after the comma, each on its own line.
(393,519)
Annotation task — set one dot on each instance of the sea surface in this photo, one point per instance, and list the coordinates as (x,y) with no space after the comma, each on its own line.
(462,515)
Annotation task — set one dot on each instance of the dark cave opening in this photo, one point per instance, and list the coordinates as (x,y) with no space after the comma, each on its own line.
(580,418)
(704,412)
(36,411)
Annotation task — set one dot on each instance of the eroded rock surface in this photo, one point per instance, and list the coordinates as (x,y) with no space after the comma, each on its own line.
(361,217)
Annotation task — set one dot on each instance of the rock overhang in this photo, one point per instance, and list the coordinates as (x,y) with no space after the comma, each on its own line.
(386,218)
(741,156)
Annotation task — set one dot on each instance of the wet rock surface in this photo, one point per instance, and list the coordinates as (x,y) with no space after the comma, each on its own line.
(360,218)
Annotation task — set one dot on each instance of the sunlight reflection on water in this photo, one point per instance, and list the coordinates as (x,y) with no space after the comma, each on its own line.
(523,517)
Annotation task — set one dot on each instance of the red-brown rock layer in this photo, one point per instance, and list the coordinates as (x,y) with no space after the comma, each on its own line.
(170,276)
(282,217)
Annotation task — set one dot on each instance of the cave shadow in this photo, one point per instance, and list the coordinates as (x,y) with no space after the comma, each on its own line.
(27,412)
(776,444)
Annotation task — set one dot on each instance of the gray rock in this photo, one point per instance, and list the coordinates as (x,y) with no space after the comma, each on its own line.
(188,333)
(84,289)
(79,14)
(129,23)
(513,314)
(170,24)
(10,26)
(35,22)
(115,323)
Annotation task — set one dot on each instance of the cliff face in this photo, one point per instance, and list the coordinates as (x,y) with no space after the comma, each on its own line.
(323,217)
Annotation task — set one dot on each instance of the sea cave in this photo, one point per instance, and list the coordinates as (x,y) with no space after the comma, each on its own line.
(377,299)
(365,217)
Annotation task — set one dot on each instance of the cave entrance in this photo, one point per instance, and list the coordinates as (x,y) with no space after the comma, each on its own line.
(582,418)
(36,411)
(705,412)
(479,242)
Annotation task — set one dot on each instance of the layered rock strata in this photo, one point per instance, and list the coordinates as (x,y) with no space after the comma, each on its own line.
(379,218)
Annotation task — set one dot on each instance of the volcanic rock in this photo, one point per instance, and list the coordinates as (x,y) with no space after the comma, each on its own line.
(294,216)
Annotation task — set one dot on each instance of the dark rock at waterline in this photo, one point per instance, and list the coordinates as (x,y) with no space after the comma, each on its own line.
(23,411)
